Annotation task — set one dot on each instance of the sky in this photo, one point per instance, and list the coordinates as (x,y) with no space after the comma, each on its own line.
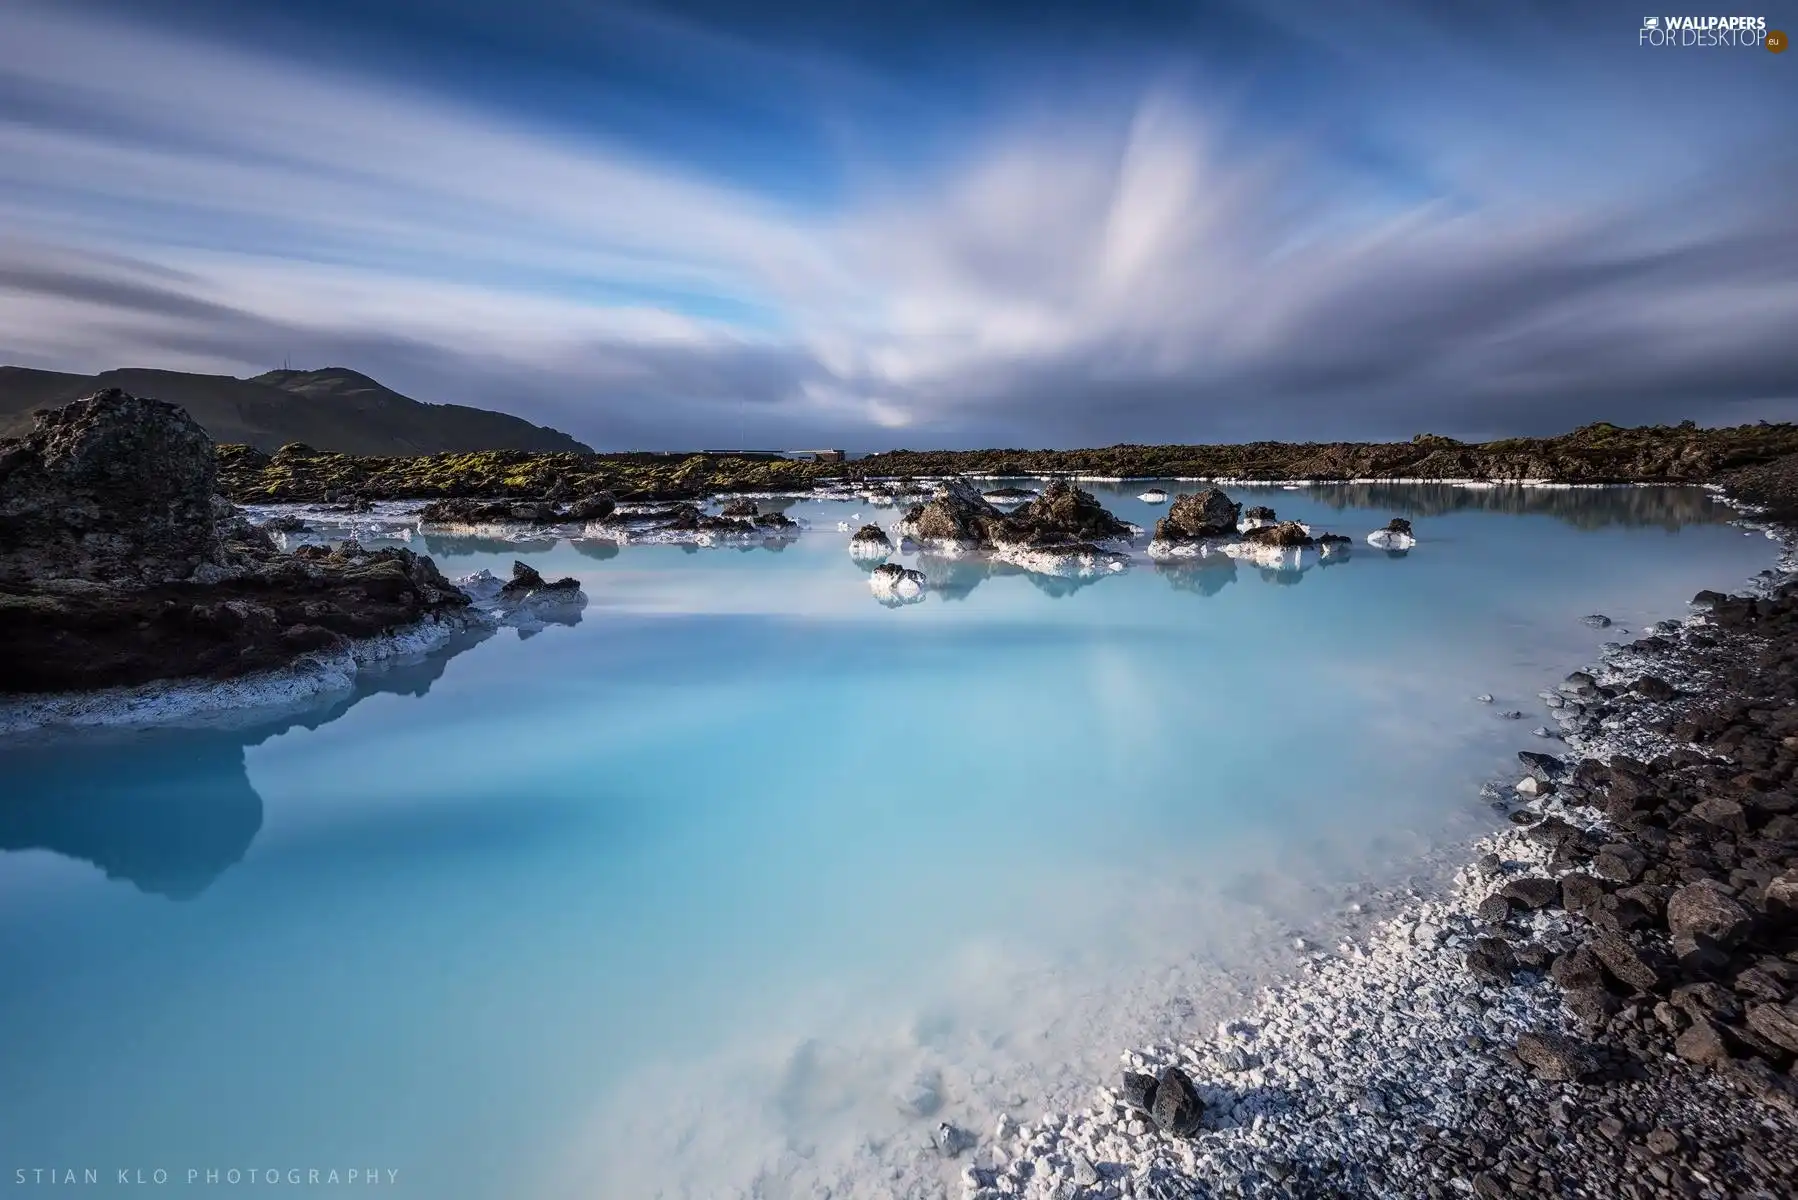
(916,223)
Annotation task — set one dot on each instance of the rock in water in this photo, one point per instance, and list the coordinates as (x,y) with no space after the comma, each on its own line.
(870,544)
(120,566)
(1205,514)
(111,489)
(892,583)
(1396,536)
(1596,620)
(1176,1108)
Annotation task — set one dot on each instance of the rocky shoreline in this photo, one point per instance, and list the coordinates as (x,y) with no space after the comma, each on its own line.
(1600,1004)
(1596,454)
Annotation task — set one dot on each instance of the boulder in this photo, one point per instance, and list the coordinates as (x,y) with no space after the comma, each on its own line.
(1626,964)
(1531,892)
(525,581)
(1776,1023)
(1396,535)
(1700,912)
(112,489)
(1176,1108)
(1701,1043)
(1063,514)
(870,544)
(1192,516)
(1283,534)
(1138,1091)
(740,509)
(118,565)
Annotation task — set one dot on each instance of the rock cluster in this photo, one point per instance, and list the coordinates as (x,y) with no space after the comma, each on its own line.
(1062,517)
(118,565)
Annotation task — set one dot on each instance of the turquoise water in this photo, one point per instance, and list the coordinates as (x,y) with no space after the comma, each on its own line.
(695,896)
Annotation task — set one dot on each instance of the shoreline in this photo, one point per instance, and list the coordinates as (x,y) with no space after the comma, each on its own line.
(1389,1068)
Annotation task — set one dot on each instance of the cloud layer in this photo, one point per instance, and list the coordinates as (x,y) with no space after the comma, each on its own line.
(1420,232)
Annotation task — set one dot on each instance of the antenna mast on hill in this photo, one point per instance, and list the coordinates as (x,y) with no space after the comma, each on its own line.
(284,362)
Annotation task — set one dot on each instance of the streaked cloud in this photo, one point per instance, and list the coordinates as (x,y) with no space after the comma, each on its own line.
(1159,256)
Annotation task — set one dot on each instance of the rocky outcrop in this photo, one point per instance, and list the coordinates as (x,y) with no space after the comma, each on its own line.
(112,489)
(893,584)
(119,566)
(1396,535)
(1064,516)
(1285,534)
(870,544)
(1207,514)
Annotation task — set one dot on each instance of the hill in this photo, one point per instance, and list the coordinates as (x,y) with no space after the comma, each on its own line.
(334,409)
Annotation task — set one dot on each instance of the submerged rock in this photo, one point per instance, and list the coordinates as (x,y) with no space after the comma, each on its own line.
(1153,496)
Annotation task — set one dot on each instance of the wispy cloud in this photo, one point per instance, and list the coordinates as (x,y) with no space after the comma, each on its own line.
(1177,265)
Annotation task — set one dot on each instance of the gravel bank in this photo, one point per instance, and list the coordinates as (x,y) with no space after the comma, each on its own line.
(1600,1005)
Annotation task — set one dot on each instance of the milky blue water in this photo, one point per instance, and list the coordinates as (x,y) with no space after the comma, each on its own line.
(692,896)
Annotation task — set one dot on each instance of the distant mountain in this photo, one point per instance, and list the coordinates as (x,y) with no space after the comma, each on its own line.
(335,409)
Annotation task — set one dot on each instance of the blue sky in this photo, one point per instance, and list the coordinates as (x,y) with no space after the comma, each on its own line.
(922,224)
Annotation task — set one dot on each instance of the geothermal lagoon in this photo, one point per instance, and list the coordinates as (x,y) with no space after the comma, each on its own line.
(744,879)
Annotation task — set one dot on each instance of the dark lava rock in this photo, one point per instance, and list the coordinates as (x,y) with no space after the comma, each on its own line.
(119,566)
(1543,766)
(1596,621)
(1577,968)
(1554,1057)
(1531,892)
(1398,525)
(1619,862)
(112,489)
(1653,687)
(741,509)
(1286,533)
(1701,1043)
(1626,964)
(1138,1090)
(285,523)
(1700,911)
(1259,512)
(1205,514)
(1495,908)
(1580,893)
(1176,1108)
(525,580)
(1776,1023)
(873,536)
(1063,515)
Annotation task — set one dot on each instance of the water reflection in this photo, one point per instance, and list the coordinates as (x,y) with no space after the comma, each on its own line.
(956,578)
(1207,576)
(1584,508)
(463,545)
(169,810)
